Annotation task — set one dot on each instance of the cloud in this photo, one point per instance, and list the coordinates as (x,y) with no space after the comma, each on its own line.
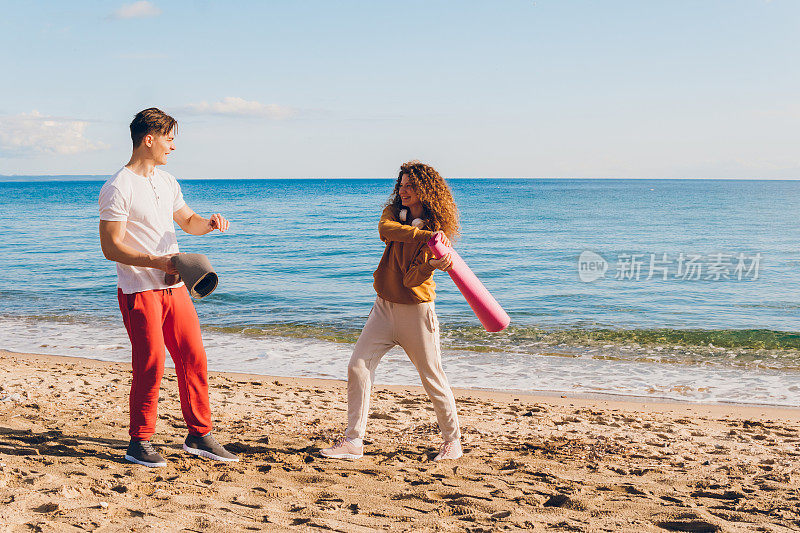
(136,10)
(33,133)
(233,106)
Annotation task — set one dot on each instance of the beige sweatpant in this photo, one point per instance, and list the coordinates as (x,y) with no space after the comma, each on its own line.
(416,329)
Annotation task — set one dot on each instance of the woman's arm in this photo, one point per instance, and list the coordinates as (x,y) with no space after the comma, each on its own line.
(419,270)
(392,230)
(422,267)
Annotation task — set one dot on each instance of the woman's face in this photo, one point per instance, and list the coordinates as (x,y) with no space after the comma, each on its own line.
(408,196)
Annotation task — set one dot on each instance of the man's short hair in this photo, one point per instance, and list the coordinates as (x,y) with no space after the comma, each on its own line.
(151,120)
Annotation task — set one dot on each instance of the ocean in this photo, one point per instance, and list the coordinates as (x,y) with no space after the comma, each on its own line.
(661,289)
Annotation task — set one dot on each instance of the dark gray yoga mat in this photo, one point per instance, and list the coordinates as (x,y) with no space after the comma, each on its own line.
(196,272)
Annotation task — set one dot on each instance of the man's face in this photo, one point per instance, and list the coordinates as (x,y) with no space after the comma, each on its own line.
(161,146)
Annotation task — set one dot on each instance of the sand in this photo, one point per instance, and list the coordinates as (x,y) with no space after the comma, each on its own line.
(543,463)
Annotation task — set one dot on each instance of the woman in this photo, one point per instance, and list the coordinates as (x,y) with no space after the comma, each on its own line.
(403,313)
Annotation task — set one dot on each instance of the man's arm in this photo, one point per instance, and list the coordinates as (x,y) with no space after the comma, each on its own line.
(112,233)
(194,224)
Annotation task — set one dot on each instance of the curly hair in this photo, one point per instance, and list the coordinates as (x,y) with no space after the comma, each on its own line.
(434,194)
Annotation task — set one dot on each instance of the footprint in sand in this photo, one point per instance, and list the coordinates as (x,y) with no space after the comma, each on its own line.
(727,495)
(688,522)
(623,489)
(246,500)
(463,510)
(565,502)
(272,493)
(50,507)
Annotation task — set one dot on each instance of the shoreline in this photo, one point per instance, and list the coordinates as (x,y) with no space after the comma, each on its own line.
(558,397)
(596,375)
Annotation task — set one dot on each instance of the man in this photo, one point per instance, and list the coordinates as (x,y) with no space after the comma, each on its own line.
(137,208)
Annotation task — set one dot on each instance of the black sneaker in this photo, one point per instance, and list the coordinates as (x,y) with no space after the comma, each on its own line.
(208,447)
(143,453)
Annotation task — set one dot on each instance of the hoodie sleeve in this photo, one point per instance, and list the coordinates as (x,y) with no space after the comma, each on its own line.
(392,230)
(419,270)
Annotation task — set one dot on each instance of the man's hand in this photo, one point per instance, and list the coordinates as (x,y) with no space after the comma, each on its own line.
(445,264)
(217,221)
(444,238)
(194,224)
(164,262)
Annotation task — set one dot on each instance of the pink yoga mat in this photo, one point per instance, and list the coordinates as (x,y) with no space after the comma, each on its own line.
(482,303)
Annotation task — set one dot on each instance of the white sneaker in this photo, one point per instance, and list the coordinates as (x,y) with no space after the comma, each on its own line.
(343,449)
(449,450)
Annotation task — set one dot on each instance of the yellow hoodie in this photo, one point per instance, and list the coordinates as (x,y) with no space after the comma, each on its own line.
(404,276)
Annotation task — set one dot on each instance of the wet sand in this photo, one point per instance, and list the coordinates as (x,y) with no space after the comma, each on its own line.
(542,463)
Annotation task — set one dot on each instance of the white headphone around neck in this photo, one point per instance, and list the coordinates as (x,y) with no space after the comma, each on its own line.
(417,222)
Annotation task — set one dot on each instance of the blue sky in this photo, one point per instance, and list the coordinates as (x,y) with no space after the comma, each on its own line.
(705,89)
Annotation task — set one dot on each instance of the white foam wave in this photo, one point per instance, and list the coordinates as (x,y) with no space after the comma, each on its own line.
(281,356)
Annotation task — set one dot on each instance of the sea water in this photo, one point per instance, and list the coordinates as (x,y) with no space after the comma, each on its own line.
(668,289)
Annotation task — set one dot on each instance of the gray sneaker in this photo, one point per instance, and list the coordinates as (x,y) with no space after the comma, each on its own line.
(142,452)
(208,447)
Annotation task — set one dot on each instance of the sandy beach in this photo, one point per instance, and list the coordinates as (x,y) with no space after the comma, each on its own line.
(545,463)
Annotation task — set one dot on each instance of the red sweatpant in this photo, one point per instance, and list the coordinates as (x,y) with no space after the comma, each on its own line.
(154,319)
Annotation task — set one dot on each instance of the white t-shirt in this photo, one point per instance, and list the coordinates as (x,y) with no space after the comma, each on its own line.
(146,205)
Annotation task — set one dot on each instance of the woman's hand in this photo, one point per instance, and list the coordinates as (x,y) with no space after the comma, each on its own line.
(445,264)
(444,238)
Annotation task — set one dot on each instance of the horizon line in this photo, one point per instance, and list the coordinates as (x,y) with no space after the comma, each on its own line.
(11,177)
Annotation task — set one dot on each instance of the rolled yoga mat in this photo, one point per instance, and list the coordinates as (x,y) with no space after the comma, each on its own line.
(482,303)
(196,272)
